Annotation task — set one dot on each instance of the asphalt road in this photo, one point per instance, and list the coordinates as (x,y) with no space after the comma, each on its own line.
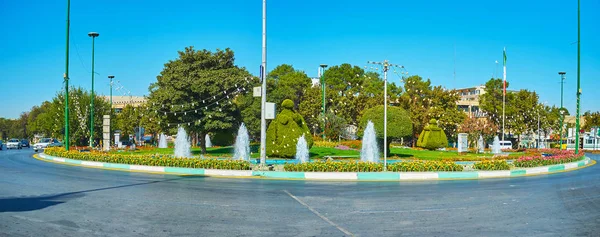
(38,198)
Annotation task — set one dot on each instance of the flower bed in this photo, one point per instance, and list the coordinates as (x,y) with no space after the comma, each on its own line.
(150,160)
(554,157)
(413,166)
(492,165)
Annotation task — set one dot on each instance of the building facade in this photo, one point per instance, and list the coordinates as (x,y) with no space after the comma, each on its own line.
(469,100)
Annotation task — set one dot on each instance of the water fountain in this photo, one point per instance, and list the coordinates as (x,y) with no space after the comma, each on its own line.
(369,151)
(302,150)
(207,141)
(496,146)
(182,144)
(162,141)
(242,144)
(480,144)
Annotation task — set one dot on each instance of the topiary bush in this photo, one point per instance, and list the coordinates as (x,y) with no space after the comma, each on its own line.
(399,124)
(284,131)
(432,137)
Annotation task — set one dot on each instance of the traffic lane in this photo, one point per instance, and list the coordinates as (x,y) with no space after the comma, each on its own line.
(362,208)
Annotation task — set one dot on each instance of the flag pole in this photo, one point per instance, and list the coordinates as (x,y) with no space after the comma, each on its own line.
(504,93)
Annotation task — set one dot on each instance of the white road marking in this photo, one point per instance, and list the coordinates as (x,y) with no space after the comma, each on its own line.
(319,214)
(404,211)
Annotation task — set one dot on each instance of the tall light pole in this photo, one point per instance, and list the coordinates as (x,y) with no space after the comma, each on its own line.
(263,91)
(562,82)
(93,35)
(111,110)
(578,76)
(66,79)
(323,66)
(386,65)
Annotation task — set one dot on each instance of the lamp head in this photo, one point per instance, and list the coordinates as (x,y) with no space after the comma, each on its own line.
(111,76)
(93,34)
(323,65)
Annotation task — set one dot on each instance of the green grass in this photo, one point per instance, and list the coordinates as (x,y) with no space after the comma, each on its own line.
(321,152)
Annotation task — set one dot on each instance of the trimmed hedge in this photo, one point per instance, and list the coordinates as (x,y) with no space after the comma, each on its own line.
(432,137)
(284,131)
(150,160)
(414,166)
(492,165)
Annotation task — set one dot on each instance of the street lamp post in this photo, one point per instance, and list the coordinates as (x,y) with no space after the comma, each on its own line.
(263,91)
(386,65)
(578,77)
(111,109)
(323,66)
(93,35)
(66,79)
(562,82)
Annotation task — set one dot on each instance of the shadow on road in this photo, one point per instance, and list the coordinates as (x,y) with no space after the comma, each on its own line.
(31,203)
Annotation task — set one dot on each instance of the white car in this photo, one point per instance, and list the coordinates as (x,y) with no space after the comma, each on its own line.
(40,146)
(13,144)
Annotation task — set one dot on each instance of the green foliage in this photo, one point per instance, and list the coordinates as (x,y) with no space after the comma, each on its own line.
(425,101)
(492,165)
(348,166)
(350,91)
(334,125)
(283,82)
(150,160)
(399,124)
(284,131)
(223,139)
(432,137)
(202,81)
(591,120)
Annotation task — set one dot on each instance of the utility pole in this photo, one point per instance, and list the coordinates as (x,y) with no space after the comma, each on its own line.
(323,66)
(386,65)
(263,91)
(562,82)
(578,76)
(66,79)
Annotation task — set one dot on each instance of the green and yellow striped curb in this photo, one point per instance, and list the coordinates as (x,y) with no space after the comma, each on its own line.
(345,176)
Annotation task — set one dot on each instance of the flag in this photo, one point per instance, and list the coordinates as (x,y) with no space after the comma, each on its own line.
(504,83)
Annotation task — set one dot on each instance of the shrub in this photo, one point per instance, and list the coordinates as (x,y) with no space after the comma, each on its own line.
(399,123)
(223,139)
(150,160)
(432,137)
(492,165)
(284,131)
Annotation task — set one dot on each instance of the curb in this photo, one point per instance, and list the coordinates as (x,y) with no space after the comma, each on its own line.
(327,176)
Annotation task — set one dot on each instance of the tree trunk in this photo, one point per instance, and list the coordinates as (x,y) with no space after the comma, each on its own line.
(202,139)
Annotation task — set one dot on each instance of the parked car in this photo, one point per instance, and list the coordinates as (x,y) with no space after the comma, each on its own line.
(25,143)
(55,143)
(506,145)
(13,144)
(44,142)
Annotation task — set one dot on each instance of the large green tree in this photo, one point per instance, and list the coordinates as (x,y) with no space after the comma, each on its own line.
(197,91)
(426,102)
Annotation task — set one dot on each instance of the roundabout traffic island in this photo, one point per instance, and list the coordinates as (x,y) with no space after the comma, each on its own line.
(548,163)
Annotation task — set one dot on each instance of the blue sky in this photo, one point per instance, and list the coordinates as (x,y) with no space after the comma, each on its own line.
(138,37)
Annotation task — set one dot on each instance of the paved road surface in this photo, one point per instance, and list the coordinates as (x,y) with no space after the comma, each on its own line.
(45,199)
